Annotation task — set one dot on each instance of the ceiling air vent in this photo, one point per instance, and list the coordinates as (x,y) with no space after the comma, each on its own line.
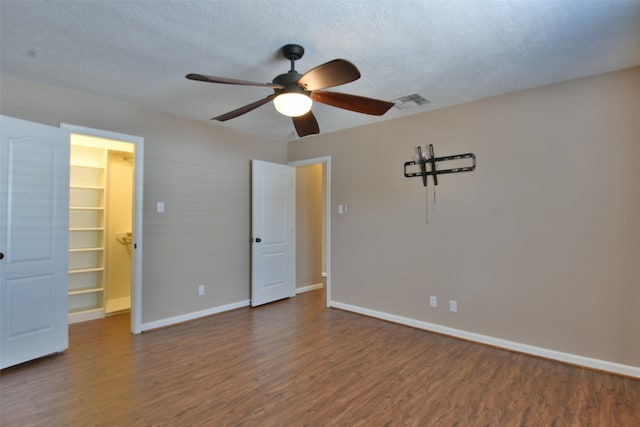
(410,101)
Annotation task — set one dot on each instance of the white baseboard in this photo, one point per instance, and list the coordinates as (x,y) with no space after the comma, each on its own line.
(191,316)
(84,316)
(573,359)
(208,312)
(309,288)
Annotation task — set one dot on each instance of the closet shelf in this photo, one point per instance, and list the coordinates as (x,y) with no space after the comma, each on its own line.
(85,291)
(85,249)
(87,229)
(86,166)
(85,270)
(86,187)
(87,225)
(86,208)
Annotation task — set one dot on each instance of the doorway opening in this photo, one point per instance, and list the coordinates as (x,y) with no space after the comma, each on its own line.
(313,225)
(105,225)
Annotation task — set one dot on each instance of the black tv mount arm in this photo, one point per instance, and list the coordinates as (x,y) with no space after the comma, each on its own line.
(431,160)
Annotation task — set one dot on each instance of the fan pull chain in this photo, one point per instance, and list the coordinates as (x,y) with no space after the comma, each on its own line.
(434,197)
(426,207)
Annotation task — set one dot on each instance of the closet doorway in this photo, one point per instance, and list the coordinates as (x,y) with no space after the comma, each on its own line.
(105,194)
(313,230)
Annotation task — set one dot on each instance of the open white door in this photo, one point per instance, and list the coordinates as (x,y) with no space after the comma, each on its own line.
(273,228)
(34,222)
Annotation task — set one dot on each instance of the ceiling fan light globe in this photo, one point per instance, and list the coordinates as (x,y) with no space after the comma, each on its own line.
(292,104)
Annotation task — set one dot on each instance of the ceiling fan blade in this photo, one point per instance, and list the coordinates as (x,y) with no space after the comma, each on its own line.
(224,80)
(242,110)
(329,74)
(359,104)
(306,124)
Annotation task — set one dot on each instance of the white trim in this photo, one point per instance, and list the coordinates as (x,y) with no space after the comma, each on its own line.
(192,316)
(83,316)
(136,294)
(308,288)
(138,141)
(327,188)
(573,359)
(101,133)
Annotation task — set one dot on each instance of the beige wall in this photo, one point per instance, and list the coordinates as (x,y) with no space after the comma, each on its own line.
(201,172)
(309,231)
(540,245)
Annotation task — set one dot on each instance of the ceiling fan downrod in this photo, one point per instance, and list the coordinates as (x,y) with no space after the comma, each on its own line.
(292,52)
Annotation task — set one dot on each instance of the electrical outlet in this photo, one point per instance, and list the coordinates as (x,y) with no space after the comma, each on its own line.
(433,301)
(200,290)
(453,305)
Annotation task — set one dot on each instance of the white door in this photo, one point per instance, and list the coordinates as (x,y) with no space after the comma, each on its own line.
(34,222)
(273,236)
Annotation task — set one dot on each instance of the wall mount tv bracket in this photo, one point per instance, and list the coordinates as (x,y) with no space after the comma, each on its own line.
(429,158)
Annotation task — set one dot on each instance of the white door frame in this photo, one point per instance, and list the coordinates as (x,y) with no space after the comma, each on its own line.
(326,160)
(136,291)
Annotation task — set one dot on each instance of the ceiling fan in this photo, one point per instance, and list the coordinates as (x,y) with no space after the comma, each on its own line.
(294,93)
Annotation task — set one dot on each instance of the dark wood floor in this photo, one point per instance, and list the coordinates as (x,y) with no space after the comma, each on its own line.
(296,363)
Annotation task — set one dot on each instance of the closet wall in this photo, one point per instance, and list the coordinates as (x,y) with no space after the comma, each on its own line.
(118,232)
(310,226)
(100,226)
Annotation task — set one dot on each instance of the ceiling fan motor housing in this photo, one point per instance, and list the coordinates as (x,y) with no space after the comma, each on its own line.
(289,81)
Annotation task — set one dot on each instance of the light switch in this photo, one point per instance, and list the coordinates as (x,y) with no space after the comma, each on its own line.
(342,209)
(160,207)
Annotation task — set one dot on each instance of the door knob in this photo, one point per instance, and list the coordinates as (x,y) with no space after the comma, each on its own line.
(1,255)
(258,240)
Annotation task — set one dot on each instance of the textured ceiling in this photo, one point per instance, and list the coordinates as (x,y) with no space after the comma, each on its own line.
(448,51)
